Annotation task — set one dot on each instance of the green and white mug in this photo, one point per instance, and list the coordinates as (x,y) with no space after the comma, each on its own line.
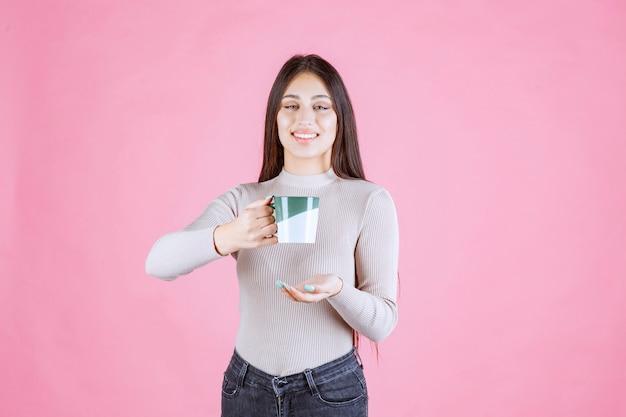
(296,218)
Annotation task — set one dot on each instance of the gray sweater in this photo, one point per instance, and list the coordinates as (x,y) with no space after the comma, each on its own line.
(357,239)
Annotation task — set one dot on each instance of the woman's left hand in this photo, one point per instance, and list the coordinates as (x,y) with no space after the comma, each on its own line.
(314,289)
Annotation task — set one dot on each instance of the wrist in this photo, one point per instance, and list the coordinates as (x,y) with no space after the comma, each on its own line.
(218,241)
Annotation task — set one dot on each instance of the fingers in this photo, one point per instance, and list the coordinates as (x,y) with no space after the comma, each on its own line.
(288,294)
(258,214)
(310,291)
(259,203)
(261,229)
(265,221)
(257,224)
(295,294)
(267,241)
(264,213)
(269,230)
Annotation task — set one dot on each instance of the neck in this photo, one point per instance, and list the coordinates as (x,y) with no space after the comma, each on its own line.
(313,180)
(306,167)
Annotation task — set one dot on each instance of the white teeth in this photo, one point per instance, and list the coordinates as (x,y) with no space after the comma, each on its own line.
(305,135)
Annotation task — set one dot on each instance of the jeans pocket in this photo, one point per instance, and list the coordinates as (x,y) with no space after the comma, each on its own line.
(345,389)
(230,385)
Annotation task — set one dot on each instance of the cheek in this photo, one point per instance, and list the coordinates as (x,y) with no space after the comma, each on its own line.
(331,124)
(283,130)
(282,122)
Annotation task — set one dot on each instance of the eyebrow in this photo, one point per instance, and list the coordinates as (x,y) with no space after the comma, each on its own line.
(298,97)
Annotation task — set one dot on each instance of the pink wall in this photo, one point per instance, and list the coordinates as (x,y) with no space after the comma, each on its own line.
(499,127)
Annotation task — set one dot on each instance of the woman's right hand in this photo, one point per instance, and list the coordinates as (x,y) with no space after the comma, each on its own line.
(253,228)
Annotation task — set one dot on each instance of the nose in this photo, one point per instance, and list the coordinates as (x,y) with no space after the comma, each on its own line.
(305,116)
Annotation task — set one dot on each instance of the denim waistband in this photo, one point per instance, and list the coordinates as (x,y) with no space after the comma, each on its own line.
(295,382)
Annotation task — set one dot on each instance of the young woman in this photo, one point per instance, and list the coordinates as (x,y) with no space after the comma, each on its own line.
(302,305)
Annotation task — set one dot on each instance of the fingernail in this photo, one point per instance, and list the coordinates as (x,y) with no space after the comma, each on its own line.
(309,288)
(269,196)
(286,286)
(279,284)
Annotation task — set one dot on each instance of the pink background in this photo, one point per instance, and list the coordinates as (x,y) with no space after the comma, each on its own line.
(498,126)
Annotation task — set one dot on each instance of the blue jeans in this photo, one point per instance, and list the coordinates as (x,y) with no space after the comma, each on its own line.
(336,388)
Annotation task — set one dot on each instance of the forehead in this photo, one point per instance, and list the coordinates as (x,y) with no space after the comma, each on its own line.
(307,84)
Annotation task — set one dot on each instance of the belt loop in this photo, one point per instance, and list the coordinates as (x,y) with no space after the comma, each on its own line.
(242,373)
(358,357)
(311,382)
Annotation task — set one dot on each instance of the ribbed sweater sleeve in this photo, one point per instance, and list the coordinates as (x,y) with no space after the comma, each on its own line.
(181,252)
(370,307)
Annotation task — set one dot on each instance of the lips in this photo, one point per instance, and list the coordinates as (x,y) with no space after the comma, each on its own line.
(304,137)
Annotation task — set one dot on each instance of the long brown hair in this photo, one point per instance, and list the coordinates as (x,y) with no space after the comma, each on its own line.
(345,158)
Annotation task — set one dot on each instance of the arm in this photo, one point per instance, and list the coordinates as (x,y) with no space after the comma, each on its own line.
(181,252)
(370,308)
(218,231)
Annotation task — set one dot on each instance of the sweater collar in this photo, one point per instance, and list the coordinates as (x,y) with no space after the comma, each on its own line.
(315,180)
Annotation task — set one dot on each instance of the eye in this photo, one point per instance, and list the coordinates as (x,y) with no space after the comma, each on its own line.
(320,107)
(290,106)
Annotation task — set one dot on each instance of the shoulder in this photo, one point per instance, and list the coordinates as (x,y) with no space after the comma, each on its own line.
(255,189)
(245,193)
(364,189)
(365,197)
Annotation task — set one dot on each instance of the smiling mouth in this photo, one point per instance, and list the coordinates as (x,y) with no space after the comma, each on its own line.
(305,136)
